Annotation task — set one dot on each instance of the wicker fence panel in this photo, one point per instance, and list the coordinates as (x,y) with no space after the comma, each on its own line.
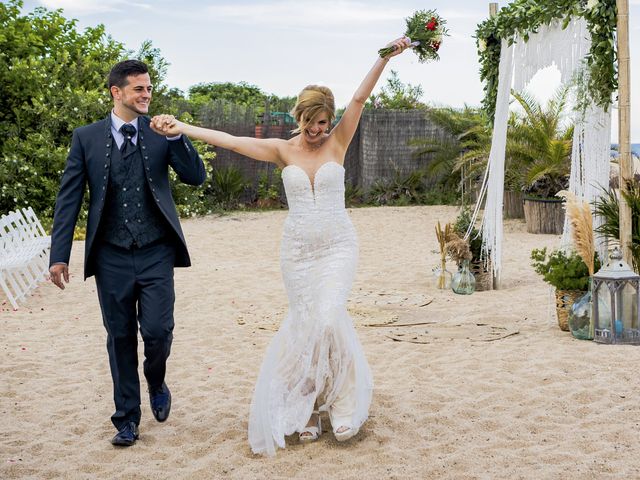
(384,139)
(378,150)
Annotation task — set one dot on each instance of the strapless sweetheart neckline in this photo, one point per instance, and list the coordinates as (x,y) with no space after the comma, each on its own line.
(312,181)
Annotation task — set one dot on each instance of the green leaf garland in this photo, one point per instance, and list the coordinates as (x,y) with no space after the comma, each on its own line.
(524,17)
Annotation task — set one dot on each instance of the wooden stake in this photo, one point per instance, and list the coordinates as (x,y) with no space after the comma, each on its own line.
(624,125)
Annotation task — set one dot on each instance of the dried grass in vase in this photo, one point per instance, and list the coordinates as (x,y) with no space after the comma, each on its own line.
(581,221)
(458,249)
(443,237)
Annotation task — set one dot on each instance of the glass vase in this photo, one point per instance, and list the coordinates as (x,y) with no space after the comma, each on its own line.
(463,282)
(442,278)
(579,318)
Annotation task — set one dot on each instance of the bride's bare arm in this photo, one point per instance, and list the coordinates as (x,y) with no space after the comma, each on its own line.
(346,128)
(263,149)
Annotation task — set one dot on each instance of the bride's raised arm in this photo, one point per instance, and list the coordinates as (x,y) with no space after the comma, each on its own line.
(263,149)
(346,127)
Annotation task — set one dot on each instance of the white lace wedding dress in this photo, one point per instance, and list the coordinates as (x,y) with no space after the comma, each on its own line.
(316,353)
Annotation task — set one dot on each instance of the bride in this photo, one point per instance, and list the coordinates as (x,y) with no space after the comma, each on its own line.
(315,361)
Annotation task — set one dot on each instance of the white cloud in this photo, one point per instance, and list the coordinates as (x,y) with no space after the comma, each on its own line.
(465,14)
(329,13)
(145,6)
(91,7)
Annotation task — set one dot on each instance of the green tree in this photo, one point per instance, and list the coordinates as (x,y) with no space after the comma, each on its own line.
(241,93)
(234,99)
(53,80)
(281,104)
(397,95)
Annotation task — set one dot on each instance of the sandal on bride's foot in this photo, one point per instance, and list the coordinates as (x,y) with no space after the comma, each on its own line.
(311,433)
(345,432)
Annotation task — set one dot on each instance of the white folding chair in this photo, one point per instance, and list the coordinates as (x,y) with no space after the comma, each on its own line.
(10,266)
(32,219)
(34,236)
(23,250)
(33,240)
(21,254)
(24,255)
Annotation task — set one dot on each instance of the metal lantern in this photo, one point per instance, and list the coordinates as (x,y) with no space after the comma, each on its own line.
(616,302)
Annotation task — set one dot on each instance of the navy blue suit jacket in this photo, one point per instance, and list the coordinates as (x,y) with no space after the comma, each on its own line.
(89,161)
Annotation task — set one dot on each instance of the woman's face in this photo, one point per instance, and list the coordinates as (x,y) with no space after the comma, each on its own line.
(315,129)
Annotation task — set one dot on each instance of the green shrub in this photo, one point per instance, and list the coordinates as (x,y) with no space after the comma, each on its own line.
(440,195)
(400,190)
(269,185)
(565,271)
(192,201)
(227,184)
(353,196)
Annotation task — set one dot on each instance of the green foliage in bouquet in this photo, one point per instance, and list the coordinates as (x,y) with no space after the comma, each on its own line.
(565,271)
(425,28)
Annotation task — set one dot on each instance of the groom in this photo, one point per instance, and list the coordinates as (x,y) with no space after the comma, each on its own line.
(133,238)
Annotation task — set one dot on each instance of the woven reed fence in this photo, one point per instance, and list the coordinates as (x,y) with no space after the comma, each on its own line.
(379,147)
(240,121)
(383,144)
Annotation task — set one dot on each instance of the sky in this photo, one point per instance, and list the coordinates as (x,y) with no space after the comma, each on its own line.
(283,45)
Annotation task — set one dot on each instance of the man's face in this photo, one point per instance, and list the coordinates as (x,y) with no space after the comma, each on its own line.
(135,96)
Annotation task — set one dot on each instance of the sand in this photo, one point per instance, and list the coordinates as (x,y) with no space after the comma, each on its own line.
(491,389)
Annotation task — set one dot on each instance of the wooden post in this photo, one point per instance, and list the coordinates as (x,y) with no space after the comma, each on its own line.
(493,11)
(624,125)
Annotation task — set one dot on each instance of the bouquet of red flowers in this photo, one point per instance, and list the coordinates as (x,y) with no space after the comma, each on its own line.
(425,29)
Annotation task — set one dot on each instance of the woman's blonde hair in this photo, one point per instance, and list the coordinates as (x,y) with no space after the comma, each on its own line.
(312,101)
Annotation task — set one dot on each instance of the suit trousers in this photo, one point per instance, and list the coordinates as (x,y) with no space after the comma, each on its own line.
(135,287)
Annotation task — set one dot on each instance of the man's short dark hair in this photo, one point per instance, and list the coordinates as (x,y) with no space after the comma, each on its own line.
(121,70)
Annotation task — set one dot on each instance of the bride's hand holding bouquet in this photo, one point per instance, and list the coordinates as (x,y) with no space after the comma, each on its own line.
(425,30)
(397,46)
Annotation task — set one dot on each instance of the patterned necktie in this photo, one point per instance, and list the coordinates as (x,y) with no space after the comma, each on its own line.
(127,147)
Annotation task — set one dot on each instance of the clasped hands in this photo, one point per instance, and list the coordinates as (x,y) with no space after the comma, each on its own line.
(166,125)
